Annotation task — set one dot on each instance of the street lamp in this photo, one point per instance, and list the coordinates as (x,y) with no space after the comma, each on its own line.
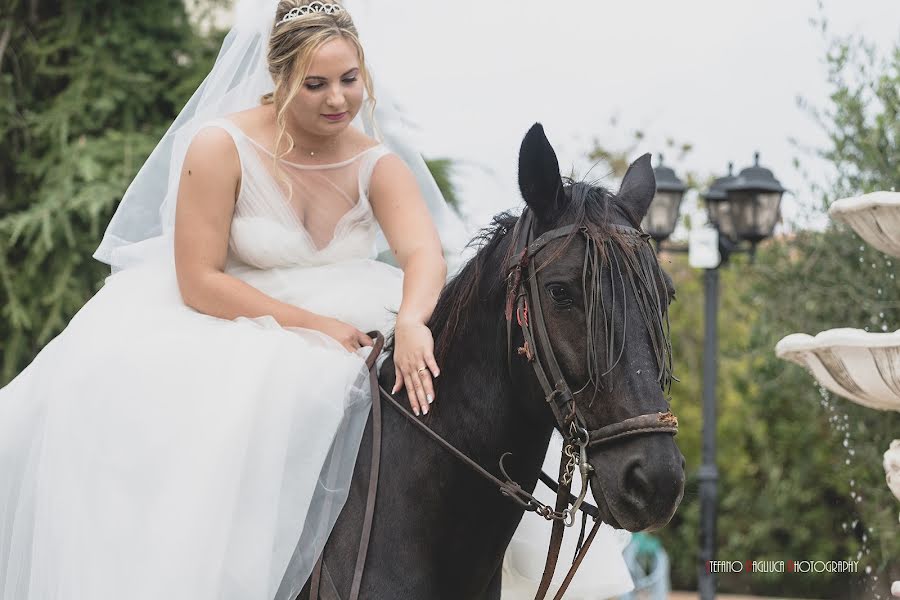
(742,209)
(662,215)
(754,198)
(717,206)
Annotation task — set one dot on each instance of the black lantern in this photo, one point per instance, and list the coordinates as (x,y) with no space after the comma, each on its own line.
(663,212)
(754,201)
(717,205)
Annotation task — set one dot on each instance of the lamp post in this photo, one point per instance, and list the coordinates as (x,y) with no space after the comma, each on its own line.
(743,209)
(663,213)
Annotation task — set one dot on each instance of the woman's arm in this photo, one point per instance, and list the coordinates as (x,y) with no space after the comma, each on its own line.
(400,209)
(207,192)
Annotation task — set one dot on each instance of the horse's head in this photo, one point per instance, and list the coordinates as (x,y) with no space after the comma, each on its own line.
(603,298)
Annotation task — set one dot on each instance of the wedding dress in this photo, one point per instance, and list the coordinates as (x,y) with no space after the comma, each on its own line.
(151,451)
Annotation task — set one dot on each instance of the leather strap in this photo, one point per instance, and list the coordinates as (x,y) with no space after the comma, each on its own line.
(654,422)
(577,562)
(316,579)
(373,480)
(556,536)
(375,467)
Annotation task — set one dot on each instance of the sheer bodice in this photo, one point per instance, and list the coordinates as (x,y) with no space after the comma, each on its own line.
(303,214)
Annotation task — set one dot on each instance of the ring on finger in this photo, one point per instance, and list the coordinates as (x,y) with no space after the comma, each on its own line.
(420,369)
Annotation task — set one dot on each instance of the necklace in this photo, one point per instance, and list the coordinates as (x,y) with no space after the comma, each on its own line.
(322,150)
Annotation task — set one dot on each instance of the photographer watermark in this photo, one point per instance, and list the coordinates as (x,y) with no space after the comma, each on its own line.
(782,566)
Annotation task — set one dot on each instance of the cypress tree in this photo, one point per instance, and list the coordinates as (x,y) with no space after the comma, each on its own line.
(87,88)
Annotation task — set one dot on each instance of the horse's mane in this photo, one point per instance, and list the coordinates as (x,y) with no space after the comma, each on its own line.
(450,316)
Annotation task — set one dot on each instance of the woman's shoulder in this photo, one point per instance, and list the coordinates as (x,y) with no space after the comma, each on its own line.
(212,144)
(212,164)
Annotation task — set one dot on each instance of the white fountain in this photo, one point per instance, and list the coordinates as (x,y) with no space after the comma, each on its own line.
(860,366)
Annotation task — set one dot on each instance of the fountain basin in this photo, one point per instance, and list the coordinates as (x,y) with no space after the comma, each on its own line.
(860,366)
(875,217)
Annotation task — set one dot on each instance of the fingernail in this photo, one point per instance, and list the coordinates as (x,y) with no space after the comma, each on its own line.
(424,410)
(430,398)
(416,410)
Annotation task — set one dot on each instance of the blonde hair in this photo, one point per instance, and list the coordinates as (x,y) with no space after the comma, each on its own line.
(291,48)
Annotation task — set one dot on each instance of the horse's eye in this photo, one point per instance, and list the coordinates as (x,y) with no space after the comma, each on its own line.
(559,294)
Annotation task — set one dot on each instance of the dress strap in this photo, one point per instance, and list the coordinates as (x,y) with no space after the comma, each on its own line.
(232,129)
(367,166)
(225,124)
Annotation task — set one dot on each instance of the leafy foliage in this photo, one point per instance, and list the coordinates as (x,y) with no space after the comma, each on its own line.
(86,90)
(785,475)
(442,171)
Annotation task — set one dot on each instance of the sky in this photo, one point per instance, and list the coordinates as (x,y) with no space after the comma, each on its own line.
(721,75)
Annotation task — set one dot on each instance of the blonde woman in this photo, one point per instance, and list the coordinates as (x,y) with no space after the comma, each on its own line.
(200,416)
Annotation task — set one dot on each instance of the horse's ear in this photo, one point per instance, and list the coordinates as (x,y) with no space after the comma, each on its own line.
(539,179)
(638,187)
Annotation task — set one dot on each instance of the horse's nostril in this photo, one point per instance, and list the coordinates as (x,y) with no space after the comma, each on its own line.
(636,484)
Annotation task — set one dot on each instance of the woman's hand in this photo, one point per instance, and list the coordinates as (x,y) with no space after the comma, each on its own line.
(414,363)
(349,336)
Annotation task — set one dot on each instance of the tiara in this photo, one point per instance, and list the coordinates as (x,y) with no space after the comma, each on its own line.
(312,7)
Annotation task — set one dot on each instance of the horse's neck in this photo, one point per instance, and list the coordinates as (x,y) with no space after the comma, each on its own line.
(480,411)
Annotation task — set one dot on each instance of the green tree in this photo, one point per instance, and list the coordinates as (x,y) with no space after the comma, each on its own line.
(87,88)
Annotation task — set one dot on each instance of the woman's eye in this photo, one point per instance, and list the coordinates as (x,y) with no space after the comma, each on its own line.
(350,80)
(314,86)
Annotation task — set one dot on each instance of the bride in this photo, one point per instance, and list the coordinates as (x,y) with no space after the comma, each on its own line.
(199,417)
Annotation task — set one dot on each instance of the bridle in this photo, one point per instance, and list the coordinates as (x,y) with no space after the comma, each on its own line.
(524,301)
(523,294)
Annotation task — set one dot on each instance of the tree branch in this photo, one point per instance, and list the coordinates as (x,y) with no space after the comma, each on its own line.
(4,41)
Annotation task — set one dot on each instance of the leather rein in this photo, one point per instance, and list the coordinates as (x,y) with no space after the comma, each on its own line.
(524,295)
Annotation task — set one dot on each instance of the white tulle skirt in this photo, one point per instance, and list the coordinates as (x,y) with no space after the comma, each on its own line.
(153,452)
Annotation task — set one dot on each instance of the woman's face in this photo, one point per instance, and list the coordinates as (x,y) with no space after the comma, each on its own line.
(332,93)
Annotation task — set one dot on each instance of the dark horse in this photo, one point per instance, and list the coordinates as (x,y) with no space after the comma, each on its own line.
(440,531)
